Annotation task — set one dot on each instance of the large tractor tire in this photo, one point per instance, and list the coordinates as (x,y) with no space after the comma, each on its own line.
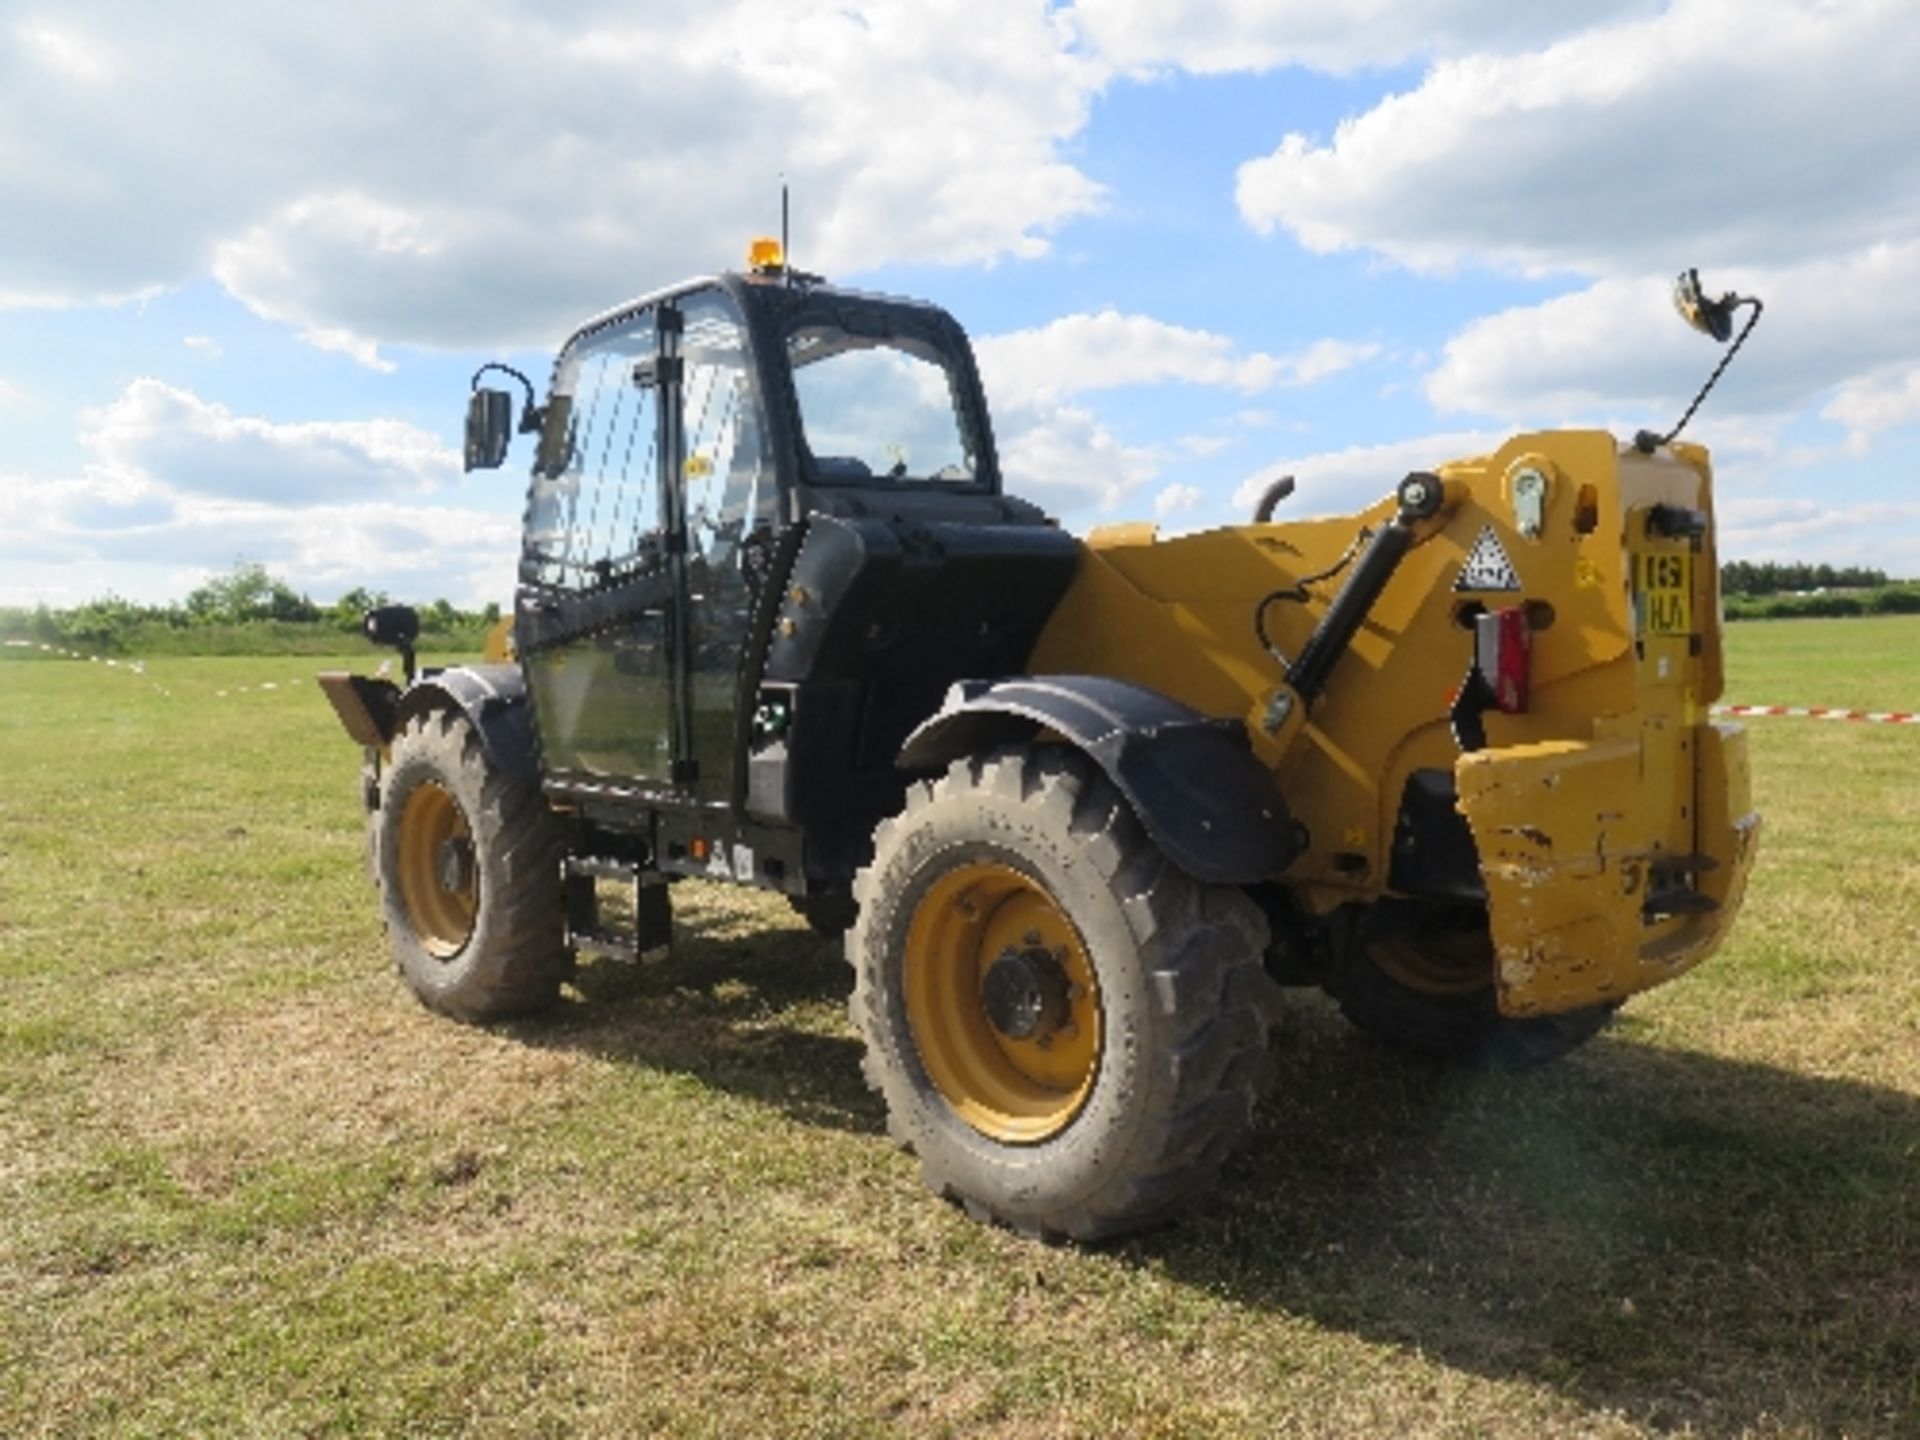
(1068,1031)
(468,861)
(1421,979)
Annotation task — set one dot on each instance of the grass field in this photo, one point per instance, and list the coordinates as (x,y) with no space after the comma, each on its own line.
(247,1186)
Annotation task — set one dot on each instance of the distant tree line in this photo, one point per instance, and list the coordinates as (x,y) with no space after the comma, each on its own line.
(250,611)
(245,611)
(1893,599)
(1771,577)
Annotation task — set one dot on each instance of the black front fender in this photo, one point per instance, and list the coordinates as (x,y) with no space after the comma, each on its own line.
(1193,780)
(492,697)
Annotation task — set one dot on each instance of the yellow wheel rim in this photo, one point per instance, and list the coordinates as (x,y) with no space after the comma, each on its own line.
(1014,1087)
(434,864)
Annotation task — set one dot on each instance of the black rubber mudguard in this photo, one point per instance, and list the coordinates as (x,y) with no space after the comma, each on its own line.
(1193,780)
(494,699)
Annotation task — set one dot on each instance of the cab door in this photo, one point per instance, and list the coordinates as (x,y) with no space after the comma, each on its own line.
(652,507)
(595,609)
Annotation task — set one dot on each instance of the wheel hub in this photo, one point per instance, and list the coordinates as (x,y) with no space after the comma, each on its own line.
(1025,993)
(453,864)
(435,869)
(1002,1001)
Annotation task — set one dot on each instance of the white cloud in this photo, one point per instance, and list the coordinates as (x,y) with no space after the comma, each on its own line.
(458,176)
(1879,401)
(1326,357)
(1883,535)
(415,551)
(69,299)
(176,486)
(1203,446)
(337,254)
(1077,354)
(935,123)
(1177,500)
(1616,349)
(63,53)
(156,552)
(1061,457)
(1717,131)
(1338,482)
(173,439)
(1210,36)
(204,346)
(1617,343)
(12,397)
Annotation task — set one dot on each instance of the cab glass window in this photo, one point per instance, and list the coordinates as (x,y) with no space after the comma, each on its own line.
(878,408)
(730,486)
(593,512)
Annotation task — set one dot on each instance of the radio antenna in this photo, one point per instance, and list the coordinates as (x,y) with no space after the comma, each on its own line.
(786,254)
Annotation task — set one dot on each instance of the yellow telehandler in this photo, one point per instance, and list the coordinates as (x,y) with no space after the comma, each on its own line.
(1082,807)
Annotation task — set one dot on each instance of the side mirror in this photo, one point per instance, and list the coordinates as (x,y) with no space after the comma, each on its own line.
(1709,317)
(395,627)
(392,626)
(489,429)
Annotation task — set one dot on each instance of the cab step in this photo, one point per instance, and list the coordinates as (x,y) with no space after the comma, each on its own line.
(650,935)
(1678,902)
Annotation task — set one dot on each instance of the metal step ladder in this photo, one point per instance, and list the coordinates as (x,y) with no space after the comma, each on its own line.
(1671,879)
(646,941)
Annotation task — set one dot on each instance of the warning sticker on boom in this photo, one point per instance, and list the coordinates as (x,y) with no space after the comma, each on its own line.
(1488,567)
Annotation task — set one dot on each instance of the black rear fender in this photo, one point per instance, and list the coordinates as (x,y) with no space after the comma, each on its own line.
(1193,780)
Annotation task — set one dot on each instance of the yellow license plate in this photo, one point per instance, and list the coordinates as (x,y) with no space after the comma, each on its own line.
(1663,594)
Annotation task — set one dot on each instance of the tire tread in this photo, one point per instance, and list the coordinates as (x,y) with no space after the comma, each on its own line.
(521,957)
(1200,948)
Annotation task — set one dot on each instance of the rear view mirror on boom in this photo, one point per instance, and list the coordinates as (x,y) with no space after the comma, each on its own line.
(489,429)
(1714,319)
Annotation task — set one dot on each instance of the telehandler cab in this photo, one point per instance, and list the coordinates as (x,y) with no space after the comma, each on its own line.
(1082,806)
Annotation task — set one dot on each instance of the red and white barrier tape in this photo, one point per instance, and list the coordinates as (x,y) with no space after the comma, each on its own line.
(1823,712)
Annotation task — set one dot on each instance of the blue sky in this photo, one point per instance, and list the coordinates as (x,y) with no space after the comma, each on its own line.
(243,284)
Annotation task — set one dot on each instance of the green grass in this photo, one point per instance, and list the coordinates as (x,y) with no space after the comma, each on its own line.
(1867,663)
(248,1187)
